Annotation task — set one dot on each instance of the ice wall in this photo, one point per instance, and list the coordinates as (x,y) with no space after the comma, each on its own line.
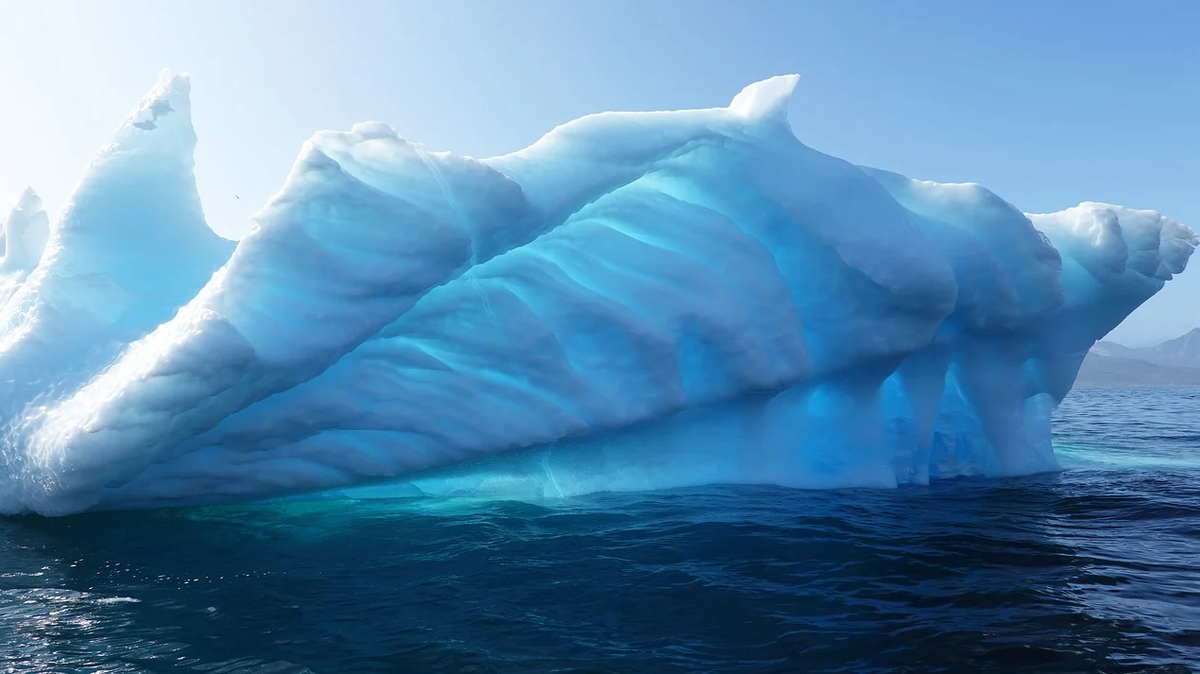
(637,300)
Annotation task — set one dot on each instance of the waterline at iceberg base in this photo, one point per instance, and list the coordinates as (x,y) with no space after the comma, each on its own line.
(637,300)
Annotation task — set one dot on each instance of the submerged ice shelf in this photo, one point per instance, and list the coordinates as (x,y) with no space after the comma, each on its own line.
(637,300)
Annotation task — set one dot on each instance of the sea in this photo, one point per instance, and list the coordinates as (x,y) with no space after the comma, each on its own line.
(1093,569)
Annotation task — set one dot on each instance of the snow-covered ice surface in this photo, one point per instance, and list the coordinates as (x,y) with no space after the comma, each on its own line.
(637,300)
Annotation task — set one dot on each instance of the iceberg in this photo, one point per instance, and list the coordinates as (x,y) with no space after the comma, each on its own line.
(637,300)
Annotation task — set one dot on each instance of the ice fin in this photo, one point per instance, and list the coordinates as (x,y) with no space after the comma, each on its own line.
(131,248)
(765,101)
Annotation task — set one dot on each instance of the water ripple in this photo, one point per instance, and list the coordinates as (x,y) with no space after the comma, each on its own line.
(1092,570)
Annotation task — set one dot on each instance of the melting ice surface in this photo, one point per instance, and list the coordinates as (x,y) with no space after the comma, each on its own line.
(637,300)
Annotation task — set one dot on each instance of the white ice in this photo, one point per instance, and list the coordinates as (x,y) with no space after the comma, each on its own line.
(638,300)
(23,236)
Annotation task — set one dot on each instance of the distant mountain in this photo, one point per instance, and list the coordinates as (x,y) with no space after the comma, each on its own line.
(1182,351)
(1113,371)
(1173,363)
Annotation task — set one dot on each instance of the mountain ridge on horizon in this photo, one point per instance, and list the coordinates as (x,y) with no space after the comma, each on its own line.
(1183,350)
(1174,362)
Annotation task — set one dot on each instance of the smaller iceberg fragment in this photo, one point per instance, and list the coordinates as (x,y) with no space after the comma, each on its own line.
(23,236)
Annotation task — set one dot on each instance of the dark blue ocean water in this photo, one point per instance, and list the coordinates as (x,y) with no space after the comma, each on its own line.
(1096,569)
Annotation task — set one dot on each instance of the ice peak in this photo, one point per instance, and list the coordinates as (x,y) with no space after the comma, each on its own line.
(23,234)
(141,187)
(161,122)
(27,197)
(765,100)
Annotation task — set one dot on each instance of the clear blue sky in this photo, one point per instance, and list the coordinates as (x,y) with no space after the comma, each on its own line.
(1047,103)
